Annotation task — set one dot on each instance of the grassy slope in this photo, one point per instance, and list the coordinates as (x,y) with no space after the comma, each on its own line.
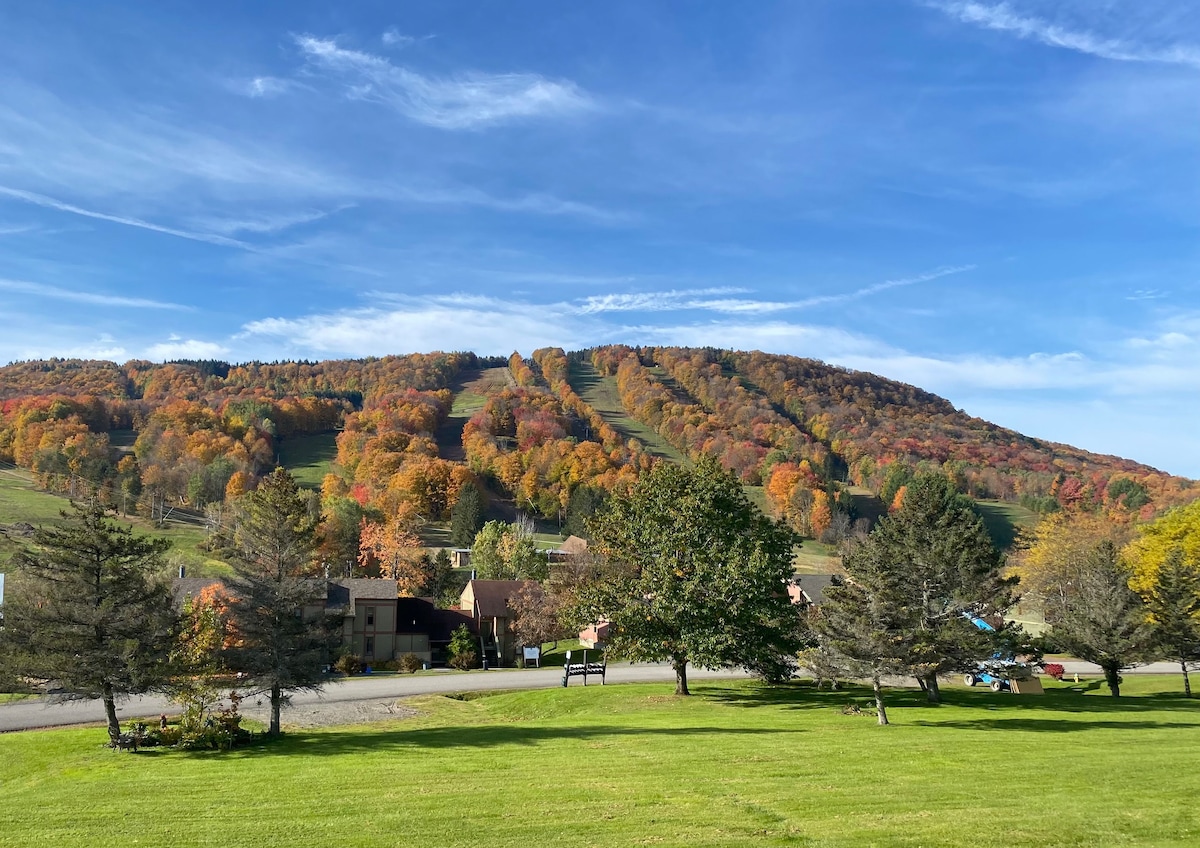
(308,457)
(601,393)
(21,501)
(625,765)
(1005,521)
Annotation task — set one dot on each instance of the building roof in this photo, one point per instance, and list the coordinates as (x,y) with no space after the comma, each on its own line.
(183,588)
(344,593)
(814,585)
(491,596)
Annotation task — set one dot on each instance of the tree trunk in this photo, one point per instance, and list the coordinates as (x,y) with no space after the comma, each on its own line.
(276,703)
(110,710)
(681,687)
(1187,684)
(879,705)
(933,692)
(1112,676)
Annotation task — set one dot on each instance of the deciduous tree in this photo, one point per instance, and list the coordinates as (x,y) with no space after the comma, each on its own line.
(698,575)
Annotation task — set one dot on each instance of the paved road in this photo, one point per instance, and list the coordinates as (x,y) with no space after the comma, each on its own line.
(39,712)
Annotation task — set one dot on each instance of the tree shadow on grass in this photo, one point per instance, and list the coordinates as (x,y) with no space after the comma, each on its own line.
(1050,725)
(464,738)
(803,695)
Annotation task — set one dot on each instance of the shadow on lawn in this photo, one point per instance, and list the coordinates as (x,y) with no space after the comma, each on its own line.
(1051,725)
(333,743)
(802,695)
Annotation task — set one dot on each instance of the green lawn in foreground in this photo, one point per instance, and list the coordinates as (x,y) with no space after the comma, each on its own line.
(734,765)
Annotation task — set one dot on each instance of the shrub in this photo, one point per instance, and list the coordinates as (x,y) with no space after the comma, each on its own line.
(385,665)
(462,649)
(1055,670)
(348,664)
(409,663)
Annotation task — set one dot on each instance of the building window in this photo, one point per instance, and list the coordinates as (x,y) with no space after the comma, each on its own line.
(369,647)
(370,616)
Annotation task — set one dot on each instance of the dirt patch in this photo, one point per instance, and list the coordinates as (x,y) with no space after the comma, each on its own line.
(332,713)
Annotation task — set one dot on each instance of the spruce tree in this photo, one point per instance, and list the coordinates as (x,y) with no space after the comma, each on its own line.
(1102,620)
(466,518)
(277,606)
(1173,604)
(90,612)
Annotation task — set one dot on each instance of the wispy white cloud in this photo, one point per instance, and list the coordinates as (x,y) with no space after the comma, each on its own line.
(393,37)
(709,300)
(867,291)
(264,223)
(16,229)
(667,301)
(466,101)
(50,203)
(1003,17)
(264,87)
(95,298)
(1147,294)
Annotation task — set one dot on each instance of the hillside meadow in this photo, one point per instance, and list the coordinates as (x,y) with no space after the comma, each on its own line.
(736,764)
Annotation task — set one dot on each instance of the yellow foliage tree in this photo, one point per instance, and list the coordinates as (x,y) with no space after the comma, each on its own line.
(1179,528)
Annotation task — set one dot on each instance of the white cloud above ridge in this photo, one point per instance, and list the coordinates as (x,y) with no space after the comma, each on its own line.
(465,101)
(179,348)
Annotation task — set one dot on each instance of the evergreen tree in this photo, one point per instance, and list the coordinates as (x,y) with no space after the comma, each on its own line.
(90,611)
(277,605)
(947,570)
(584,503)
(466,518)
(1102,620)
(698,575)
(1173,604)
(863,627)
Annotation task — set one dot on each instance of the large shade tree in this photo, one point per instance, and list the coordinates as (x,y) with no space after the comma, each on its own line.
(277,601)
(90,612)
(697,575)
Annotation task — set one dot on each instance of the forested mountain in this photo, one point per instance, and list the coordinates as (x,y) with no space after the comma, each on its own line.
(541,431)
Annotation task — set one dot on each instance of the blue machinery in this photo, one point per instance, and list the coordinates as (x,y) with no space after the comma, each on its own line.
(998,672)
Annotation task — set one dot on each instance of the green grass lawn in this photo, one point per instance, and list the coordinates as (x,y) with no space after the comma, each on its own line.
(734,765)
(308,457)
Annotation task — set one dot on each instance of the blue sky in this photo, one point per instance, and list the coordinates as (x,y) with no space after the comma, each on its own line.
(996,201)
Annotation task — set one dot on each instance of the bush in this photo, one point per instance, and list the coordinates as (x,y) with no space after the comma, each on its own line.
(462,649)
(386,665)
(409,663)
(1055,670)
(348,664)
(464,661)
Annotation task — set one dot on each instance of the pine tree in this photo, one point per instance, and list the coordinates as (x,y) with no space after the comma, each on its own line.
(277,603)
(91,612)
(1102,620)
(1173,604)
(466,518)
(947,571)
